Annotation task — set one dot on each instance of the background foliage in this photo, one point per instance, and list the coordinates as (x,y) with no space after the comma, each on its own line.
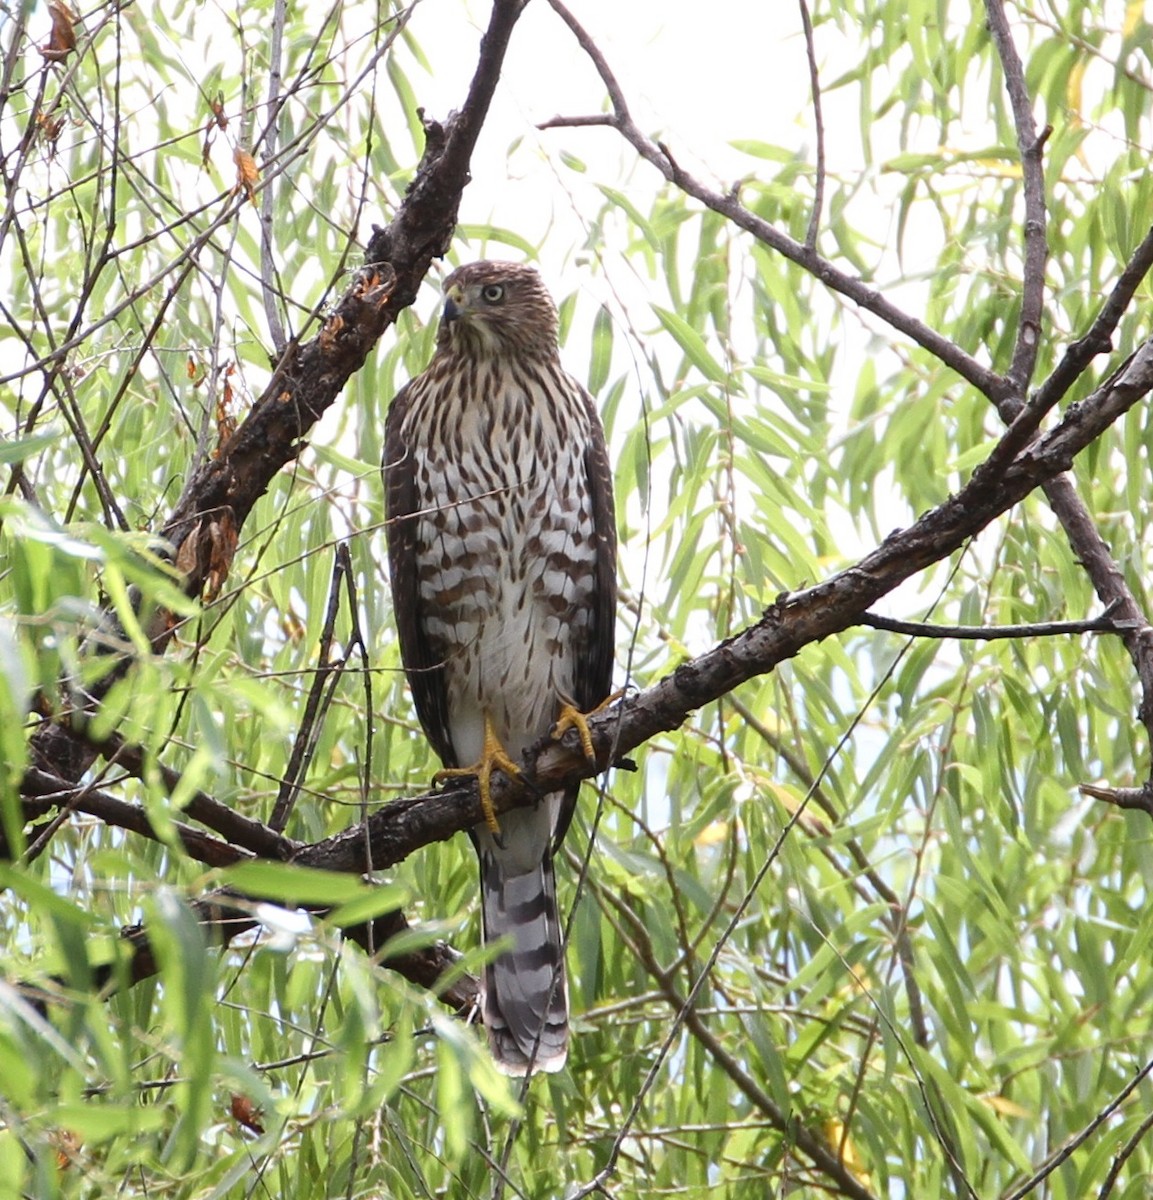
(944,974)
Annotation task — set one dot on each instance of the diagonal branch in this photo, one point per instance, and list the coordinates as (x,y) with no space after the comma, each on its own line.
(795,621)
(985,380)
(404,826)
(218,498)
(1006,393)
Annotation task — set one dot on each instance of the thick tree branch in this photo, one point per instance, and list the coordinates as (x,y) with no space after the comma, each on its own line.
(1004,392)
(203,527)
(404,826)
(45,791)
(795,621)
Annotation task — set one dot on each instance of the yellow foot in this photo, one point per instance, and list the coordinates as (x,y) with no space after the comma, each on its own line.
(573,718)
(492,756)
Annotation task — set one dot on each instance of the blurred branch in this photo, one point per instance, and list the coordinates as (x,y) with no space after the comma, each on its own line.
(270,293)
(1066,1150)
(1136,799)
(225,916)
(819,122)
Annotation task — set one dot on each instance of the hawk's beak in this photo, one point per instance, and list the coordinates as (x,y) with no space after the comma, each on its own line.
(452,306)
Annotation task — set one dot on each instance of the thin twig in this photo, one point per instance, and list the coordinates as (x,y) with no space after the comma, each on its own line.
(324,680)
(1030,146)
(985,380)
(270,293)
(1064,1152)
(1122,1157)
(819,121)
(990,633)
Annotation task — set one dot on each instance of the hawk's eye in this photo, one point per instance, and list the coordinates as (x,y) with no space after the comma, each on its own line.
(493,293)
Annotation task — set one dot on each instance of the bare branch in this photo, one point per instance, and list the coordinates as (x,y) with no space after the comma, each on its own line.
(1084,539)
(1025,419)
(986,381)
(324,682)
(52,791)
(270,293)
(309,377)
(819,120)
(1036,247)
(235,827)
(792,623)
(1067,1149)
(1135,799)
(434,967)
(989,633)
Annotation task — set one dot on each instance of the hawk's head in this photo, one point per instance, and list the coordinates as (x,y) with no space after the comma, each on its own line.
(492,309)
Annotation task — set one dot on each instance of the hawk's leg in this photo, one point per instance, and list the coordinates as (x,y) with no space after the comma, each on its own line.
(492,756)
(572,718)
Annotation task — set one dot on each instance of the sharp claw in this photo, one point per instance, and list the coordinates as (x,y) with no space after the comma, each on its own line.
(572,718)
(492,756)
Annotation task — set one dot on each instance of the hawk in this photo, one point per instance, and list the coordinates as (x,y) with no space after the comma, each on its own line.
(502,561)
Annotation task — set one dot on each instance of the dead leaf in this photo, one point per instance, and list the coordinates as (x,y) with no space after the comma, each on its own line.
(222,541)
(247,173)
(330,331)
(62,40)
(225,419)
(246,1113)
(67,1148)
(218,121)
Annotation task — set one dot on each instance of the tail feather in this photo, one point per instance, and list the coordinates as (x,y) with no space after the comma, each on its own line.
(525,1003)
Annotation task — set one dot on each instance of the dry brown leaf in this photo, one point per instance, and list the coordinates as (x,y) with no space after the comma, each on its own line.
(62,40)
(218,121)
(246,1113)
(225,420)
(330,331)
(247,173)
(222,541)
(67,1148)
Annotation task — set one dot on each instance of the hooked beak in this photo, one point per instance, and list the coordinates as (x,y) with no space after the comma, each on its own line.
(452,307)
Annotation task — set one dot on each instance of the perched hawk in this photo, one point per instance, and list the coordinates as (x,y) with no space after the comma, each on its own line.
(501,549)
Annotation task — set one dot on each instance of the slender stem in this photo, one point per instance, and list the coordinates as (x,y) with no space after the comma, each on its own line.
(986,381)
(268,290)
(988,633)
(819,120)
(1030,145)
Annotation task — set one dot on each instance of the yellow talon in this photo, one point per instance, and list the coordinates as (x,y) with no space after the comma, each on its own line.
(573,718)
(493,755)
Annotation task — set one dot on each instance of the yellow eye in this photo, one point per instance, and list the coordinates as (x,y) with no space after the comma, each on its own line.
(492,293)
